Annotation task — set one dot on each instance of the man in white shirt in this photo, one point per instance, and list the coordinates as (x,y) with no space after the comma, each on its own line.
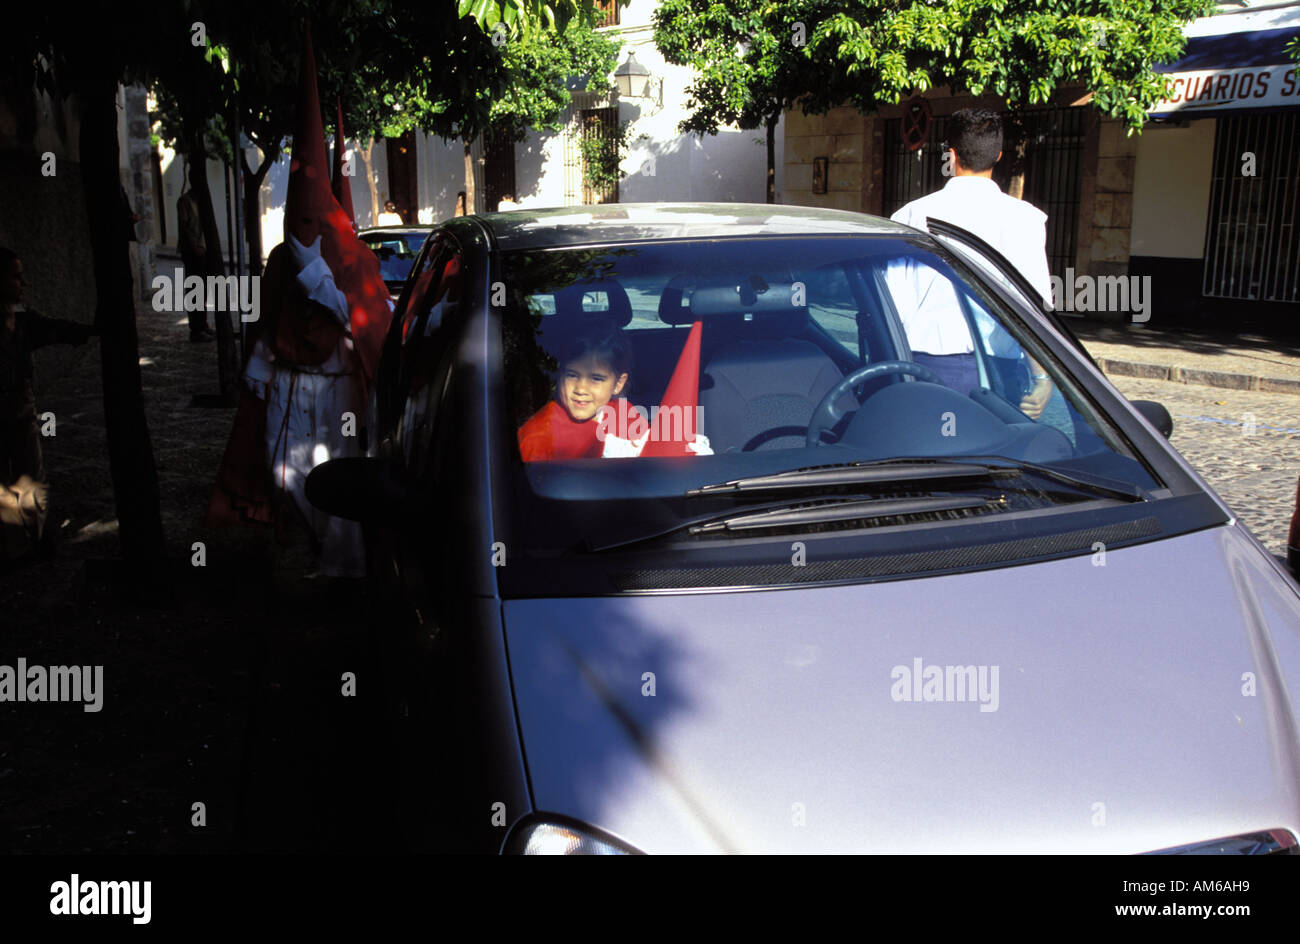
(936,329)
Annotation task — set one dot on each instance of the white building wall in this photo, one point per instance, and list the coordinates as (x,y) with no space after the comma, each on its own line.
(661,163)
(1171,190)
(664,165)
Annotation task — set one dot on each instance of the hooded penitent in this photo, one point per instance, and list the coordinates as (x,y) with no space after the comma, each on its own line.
(342,186)
(288,326)
(311,210)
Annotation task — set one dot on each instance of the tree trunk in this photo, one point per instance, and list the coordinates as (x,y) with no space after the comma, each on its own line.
(469,179)
(130,451)
(370,181)
(227,355)
(253,210)
(771,157)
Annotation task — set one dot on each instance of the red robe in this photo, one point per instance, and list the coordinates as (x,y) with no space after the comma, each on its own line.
(551,433)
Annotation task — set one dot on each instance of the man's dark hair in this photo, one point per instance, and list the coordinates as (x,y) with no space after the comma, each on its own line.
(976,135)
(7,258)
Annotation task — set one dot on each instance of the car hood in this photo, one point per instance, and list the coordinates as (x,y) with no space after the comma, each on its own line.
(1130,702)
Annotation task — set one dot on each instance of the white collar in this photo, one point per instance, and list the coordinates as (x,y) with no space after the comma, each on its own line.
(971,179)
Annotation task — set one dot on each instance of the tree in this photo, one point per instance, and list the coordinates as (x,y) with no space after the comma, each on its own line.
(530,18)
(195,90)
(1020,50)
(748,67)
(86,56)
(753,60)
(510,84)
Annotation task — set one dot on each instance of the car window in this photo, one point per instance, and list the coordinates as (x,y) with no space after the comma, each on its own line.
(648,370)
(396,253)
(415,351)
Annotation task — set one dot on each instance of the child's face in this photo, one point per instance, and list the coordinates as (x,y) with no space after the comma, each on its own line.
(587,384)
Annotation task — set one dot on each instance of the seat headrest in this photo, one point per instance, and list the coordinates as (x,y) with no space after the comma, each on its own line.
(569,304)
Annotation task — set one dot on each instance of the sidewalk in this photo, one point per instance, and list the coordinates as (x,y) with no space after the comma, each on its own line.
(1194,356)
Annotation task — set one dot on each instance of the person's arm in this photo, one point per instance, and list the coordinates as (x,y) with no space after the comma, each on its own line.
(41,331)
(1034,264)
(317,281)
(1035,401)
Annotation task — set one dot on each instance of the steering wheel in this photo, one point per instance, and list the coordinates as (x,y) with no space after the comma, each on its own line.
(826,415)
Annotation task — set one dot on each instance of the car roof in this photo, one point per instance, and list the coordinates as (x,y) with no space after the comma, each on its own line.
(634,222)
(418,229)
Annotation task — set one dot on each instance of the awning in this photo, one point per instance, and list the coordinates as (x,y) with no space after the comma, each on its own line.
(1235,62)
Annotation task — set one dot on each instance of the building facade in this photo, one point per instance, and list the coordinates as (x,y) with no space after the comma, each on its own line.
(1181,203)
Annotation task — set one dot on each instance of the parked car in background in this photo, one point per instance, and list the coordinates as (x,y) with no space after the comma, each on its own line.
(877,614)
(396,247)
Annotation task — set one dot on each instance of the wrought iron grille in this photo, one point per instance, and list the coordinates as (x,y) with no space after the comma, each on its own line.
(1252,249)
(602,125)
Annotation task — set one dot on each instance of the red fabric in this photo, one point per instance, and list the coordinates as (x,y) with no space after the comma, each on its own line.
(551,433)
(683,391)
(240,495)
(342,187)
(311,210)
(297,331)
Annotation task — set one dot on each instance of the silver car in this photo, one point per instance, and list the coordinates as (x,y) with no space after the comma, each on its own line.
(688,550)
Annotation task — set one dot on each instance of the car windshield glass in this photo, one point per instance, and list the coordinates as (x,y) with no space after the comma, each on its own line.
(646,371)
(396,252)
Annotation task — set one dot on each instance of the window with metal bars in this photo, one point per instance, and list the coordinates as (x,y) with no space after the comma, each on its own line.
(1252,248)
(608,13)
(600,125)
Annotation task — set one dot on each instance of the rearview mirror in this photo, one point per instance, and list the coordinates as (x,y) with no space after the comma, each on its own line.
(1155,414)
(359,489)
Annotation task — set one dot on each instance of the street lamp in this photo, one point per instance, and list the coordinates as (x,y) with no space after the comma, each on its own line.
(634,80)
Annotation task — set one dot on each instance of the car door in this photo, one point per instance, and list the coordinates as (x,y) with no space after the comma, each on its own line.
(993,264)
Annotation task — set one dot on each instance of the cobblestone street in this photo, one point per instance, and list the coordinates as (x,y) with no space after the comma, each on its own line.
(1253,470)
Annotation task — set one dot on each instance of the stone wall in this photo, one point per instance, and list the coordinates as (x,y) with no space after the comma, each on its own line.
(850,141)
(1106,200)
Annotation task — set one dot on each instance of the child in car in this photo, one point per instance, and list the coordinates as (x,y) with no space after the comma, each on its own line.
(593,371)
(588,419)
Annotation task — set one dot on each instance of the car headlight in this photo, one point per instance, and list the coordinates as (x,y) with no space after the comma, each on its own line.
(1268,842)
(557,835)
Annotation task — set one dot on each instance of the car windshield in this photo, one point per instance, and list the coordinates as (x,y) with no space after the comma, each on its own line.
(670,371)
(396,252)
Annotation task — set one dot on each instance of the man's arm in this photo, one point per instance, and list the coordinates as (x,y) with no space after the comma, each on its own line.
(41,331)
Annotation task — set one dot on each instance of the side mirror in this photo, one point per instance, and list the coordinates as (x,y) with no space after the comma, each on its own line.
(1155,414)
(359,489)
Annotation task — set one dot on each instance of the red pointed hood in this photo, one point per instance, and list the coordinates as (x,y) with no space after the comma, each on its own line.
(311,210)
(342,186)
(683,393)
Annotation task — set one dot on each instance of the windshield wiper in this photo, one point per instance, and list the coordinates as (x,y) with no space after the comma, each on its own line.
(859,473)
(845,511)
(896,472)
(1111,488)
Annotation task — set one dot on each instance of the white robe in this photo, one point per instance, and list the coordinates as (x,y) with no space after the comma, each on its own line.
(307,424)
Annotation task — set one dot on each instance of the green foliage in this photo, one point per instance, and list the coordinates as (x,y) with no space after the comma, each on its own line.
(601,157)
(733,87)
(871,53)
(1019,50)
(530,18)
(541,71)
